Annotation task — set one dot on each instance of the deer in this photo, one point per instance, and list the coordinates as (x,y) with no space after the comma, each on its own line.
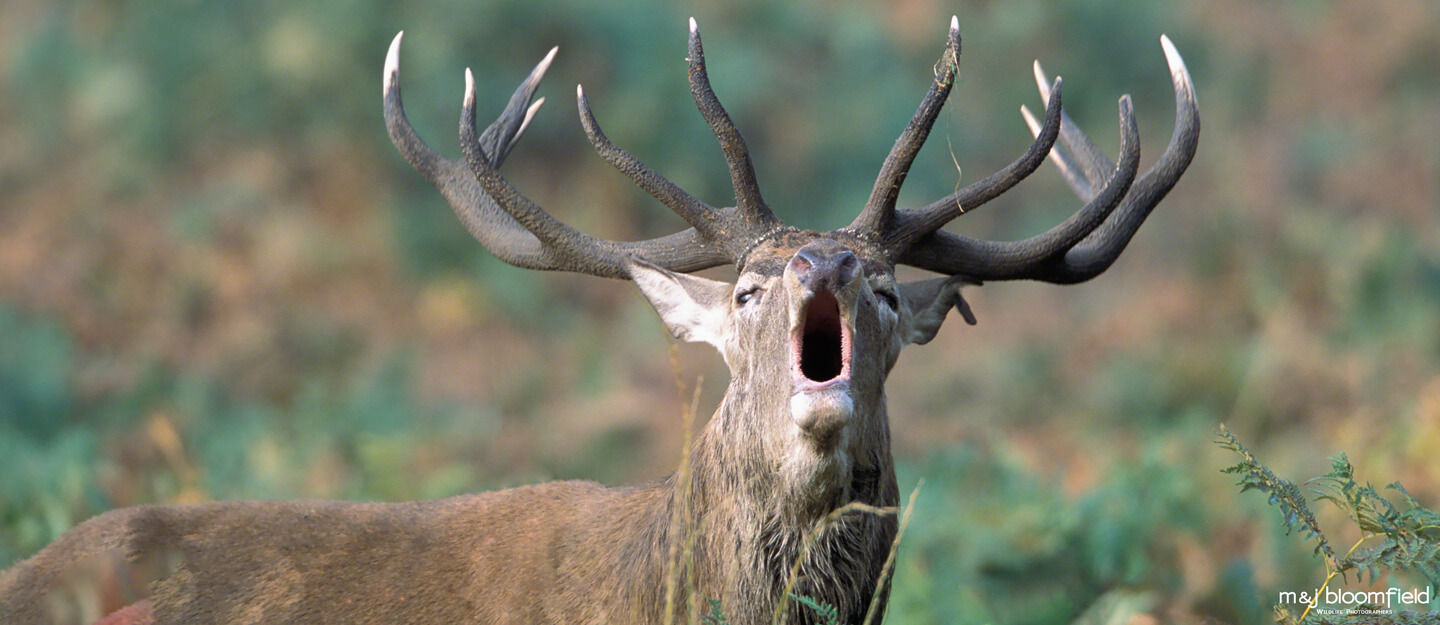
(809,330)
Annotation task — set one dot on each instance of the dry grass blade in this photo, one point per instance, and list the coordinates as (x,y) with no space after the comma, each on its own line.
(884,581)
(681,521)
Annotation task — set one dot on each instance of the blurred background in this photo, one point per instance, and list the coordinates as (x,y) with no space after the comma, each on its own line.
(219,280)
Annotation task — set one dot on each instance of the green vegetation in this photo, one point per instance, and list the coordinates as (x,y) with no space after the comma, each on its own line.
(716,615)
(1405,537)
(218,279)
(826,613)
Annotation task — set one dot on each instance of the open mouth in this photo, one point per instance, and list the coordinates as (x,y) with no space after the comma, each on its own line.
(822,343)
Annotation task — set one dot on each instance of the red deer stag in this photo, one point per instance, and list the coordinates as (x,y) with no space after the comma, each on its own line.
(809,330)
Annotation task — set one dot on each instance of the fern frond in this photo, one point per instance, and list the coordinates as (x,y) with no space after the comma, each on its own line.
(1408,538)
(716,615)
(829,614)
(1284,616)
(1410,535)
(1420,555)
(1283,494)
(1422,521)
(1371,512)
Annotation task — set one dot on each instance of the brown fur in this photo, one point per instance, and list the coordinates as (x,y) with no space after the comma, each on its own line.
(138,613)
(561,552)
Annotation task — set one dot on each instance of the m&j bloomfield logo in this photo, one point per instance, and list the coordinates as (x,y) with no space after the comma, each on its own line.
(1336,601)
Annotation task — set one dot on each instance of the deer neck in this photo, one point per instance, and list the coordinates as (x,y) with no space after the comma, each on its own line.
(752,504)
(752,457)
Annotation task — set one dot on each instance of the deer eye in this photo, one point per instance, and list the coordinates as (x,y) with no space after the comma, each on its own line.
(889,298)
(744,297)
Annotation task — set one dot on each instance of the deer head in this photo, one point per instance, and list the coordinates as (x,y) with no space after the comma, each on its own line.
(815,320)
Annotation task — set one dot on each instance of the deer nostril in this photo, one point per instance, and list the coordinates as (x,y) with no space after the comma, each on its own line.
(818,269)
(802,264)
(845,268)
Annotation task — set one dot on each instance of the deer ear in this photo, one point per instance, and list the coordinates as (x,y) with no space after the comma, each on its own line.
(693,308)
(929,303)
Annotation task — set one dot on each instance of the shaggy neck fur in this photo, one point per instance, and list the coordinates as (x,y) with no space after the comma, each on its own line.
(753,515)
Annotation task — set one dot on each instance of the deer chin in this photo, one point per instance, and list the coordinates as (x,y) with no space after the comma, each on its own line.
(821,402)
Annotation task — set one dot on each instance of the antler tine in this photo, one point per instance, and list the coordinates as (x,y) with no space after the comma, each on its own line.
(913,225)
(950,253)
(742,173)
(880,208)
(494,229)
(697,213)
(552,245)
(505,135)
(1098,251)
(420,156)
(497,140)
(546,228)
(495,225)
(1083,165)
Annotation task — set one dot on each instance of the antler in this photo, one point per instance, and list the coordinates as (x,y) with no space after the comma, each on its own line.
(1089,241)
(521,233)
(742,174)
(900,230)
(879,211)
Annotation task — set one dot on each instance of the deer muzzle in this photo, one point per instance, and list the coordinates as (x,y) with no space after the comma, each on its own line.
(823,274)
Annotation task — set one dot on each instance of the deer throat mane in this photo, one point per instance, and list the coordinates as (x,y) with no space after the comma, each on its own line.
(839,558)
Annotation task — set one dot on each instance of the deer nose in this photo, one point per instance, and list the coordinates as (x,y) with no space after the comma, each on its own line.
(824,269)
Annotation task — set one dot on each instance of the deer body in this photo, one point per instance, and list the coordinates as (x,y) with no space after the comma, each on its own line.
(810,330)
(437,561)
(559,552)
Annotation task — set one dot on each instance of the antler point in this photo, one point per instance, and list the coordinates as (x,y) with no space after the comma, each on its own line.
(1041,80)
(1172,57)
(1127,114)
(392,61)
(543,66)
